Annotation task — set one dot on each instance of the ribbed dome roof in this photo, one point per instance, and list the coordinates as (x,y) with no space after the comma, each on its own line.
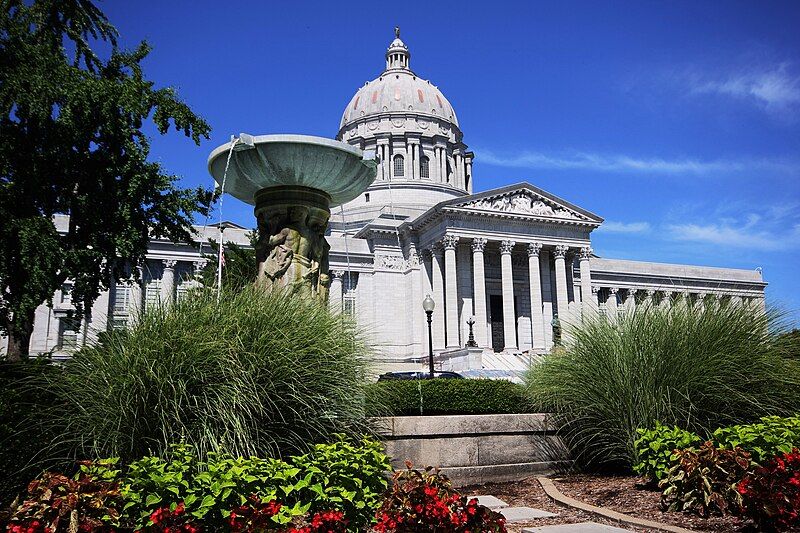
(398,89)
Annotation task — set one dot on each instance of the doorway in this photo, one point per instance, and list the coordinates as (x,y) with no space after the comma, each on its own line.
(496,317)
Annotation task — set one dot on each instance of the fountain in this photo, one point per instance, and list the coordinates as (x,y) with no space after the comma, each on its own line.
(293,181)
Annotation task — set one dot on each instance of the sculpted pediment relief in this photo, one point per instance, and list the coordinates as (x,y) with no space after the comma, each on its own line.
(525,203)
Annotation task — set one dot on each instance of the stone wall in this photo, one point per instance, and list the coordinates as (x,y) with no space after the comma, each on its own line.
(476,448)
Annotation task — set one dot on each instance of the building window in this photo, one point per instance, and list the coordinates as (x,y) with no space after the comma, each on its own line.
(68,333)
(424,171)
(366,197)
(449,171)
(152,293)
(349,291)
(120,307)
(66,293)
(399,165)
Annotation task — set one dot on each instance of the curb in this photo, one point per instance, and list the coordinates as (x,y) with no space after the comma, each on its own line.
(554,494)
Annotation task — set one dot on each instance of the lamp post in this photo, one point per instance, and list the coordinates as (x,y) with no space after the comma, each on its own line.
(428,304)
(471,342)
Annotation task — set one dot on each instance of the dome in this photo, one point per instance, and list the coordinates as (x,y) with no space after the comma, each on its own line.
(398,89)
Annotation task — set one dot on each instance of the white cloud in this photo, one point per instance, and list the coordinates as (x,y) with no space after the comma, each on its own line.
(624,163)
(611,226)
(751,231)
(774,88)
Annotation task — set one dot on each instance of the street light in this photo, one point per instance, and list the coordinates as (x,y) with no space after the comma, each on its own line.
(428,305)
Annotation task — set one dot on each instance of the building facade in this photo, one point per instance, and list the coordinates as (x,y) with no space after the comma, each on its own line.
(510,260)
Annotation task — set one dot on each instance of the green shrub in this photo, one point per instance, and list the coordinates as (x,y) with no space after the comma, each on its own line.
(22,441)
(771,436)
(655,449)
(704,481)
(698,368)
(255,373)
(446,397)
(344,479)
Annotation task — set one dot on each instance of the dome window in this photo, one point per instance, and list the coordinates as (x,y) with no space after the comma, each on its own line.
(424,171)
(419,95)
(399,165)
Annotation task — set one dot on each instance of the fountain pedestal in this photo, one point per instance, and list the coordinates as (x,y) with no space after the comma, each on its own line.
(293,181)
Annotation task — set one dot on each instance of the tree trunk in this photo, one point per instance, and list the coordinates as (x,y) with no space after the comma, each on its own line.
(19,338)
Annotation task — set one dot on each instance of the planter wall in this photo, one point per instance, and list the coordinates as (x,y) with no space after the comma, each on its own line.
(476,448)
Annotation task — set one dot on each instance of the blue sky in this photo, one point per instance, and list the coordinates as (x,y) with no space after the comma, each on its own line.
(678,122)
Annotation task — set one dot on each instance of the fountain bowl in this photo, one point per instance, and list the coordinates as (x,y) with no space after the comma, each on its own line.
(275,162)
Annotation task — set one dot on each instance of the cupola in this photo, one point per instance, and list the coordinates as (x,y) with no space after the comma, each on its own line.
(397,56)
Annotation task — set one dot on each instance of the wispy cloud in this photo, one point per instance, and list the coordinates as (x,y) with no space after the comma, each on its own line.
(611,226)
(776,88)
(625,163)
(772,233)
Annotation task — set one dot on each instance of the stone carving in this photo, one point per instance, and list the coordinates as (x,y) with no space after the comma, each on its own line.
(337,274)
(390,262)
(169,263)
(479,244)
(449,242)
(585,253)
(524,203)
(561,251)
(292,252)
(534,248)
(506,246)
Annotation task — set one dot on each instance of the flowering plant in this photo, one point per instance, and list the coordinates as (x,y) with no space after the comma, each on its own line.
(425,501)
(771,493)
(56,503)
(172,519)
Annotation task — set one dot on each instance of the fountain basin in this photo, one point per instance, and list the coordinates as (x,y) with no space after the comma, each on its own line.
(338,169)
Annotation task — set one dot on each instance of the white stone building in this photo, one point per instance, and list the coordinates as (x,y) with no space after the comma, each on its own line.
(512,258)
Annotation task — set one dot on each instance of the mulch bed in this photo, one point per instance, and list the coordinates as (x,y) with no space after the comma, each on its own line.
(625,494)
(528,492)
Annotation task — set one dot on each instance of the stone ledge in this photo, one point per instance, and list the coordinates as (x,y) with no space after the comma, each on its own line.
(561,499)
(476,475)
(463,425)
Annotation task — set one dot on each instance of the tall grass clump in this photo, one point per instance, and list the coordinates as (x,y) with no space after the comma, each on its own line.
(696,367)
(254,373)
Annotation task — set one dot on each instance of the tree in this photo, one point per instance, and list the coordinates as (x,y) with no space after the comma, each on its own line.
(71,142)
(240,268)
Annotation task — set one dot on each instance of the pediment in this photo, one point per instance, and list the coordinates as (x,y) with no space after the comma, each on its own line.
(524,201)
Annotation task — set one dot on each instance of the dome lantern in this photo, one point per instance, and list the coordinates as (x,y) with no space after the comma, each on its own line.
(397,56)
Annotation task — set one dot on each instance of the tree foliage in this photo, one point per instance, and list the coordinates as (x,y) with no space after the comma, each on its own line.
(72,143)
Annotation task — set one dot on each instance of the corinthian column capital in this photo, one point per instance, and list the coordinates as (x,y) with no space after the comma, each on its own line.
(506,246)
(169,263)
(478,244)
(534,248)
(586,253)
(449,242)
(561,251)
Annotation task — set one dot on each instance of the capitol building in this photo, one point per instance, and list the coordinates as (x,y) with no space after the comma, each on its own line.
(508,260)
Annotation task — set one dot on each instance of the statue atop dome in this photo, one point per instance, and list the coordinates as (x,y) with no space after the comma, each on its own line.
(397,32)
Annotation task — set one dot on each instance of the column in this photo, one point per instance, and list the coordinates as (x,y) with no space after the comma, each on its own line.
(648,299)
(561,282)
(630,300)
(589,303)
(665,299)
(548,298)
(168,282)
(468,173)
(449,243)
(535,283)
(384,161)
(611,303)
(336,294)
(479,291)
(198,267)
(509,318)
(443,165)
(458,180)
(437,280)
(414,162)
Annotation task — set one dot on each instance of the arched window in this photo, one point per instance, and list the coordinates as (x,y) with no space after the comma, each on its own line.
(399,165)
(424,171)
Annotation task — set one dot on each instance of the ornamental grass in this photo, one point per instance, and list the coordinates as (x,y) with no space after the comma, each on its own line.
(254,373)
(698,367)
